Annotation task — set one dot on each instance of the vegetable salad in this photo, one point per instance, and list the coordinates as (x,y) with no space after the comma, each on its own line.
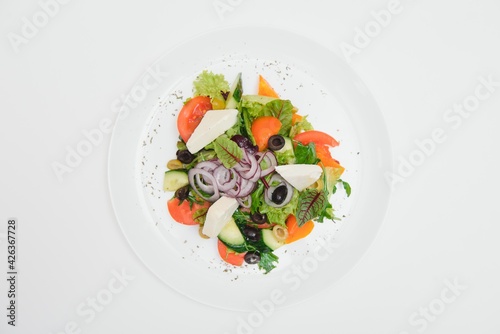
(250,171)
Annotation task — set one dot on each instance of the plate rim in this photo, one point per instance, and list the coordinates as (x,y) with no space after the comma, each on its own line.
(218,30)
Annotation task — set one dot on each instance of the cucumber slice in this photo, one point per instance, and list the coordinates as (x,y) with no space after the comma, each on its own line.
(286,155)
(288,146)
(270,240)
(234,96)
(175,179)
(259,98)
(232,237)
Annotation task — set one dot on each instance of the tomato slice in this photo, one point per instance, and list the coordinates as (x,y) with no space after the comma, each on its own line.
(191,114)
(317,137)
(229,255)
(263,128)
(182,213)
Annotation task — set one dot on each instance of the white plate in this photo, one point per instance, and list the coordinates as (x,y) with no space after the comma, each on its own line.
(319,84)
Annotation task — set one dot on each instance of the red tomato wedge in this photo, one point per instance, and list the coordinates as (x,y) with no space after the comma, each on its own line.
(230,256)
(182,213)
(317,137)
(263,128)
(191,114)
(265,88)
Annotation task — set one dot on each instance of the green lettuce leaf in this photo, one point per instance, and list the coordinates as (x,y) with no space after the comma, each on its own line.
(306,154)
(285,158)
(268,261)
(301,126)
(279,215)
(282,110)
(210,84)
(254,109)
(331,177)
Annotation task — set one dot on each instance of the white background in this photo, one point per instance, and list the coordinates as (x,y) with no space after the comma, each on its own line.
(442,224)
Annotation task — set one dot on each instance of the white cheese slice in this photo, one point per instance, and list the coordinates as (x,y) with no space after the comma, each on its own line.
(300,176)
(218,215)
(212,125)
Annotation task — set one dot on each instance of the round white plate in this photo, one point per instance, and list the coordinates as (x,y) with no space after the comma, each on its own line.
(321,86)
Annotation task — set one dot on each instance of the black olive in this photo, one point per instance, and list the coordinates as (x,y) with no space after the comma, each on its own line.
(251,233)
(245,143)
(276,143)
(252,257)
(279,194)
(184,156)
(182,193)
(259,218)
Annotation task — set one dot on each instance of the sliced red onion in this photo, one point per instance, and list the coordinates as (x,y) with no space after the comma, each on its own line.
(225,178)
(214,179)
(208,165)
(194,175)
(245,202)
(253,170)
(270,160)
(247,187)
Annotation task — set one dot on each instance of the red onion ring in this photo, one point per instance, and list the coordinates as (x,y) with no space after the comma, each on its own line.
(270,160)
(211,179)
(194,175)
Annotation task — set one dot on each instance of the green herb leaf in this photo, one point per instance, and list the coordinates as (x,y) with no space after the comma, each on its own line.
(311,203)
(306,154)
(346,186)
(228,152)
(268,261)
(327,213)
(257,197)
(241,218)
(191,200)
(281,109)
